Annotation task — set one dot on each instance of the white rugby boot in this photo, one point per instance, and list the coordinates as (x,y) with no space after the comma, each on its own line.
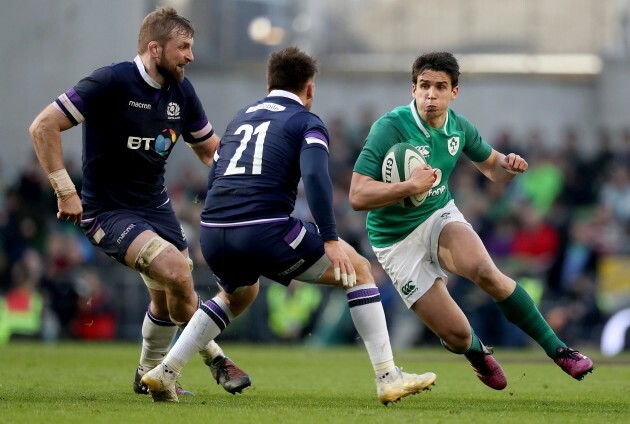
(161,383)
(404,384)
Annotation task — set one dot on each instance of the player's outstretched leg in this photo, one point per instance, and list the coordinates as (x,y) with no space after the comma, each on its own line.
(487,368)
(573,362)
(392,388)
(520,309)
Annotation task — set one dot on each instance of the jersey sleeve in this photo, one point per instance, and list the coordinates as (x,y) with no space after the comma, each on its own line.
(319,192)
(197,127)
(476,149)
(314,170)
(315,133)
(85,97)
(383,135)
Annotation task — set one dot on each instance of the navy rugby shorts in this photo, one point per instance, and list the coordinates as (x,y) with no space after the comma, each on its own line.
(113,231)
(238,256)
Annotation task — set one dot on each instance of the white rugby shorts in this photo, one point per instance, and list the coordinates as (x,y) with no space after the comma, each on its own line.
(412,263)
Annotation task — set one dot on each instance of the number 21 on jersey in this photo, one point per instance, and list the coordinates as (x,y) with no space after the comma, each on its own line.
(247,131)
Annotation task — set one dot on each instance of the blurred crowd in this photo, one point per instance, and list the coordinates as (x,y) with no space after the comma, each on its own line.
(562,230)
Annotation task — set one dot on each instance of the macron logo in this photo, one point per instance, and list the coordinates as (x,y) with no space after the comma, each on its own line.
(139,105)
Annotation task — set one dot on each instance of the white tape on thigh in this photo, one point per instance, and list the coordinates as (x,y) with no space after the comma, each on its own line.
(315,271)
(149,251)
(151,283)
(190,264)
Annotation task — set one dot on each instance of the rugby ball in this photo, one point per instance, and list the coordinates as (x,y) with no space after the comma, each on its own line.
(400,161)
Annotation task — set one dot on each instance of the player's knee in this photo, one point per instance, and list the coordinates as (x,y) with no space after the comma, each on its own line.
(363,268)
(177,277)
(484,273)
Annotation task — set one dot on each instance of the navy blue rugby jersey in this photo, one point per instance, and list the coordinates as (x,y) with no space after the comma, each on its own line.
(255,178)
(130,126)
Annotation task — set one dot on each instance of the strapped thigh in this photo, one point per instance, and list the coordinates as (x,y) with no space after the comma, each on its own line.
(149,252)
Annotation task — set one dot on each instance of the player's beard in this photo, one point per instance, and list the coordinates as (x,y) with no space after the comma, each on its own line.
(170,71)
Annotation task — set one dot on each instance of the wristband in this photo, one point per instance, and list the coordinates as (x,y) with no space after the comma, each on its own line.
(62,184)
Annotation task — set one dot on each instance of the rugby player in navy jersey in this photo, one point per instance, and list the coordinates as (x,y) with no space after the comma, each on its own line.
(247,230)
(133,114)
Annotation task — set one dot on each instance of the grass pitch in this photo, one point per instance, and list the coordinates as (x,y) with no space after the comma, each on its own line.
(91,383)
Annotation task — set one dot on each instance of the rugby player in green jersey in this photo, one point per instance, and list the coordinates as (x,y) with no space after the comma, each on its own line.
(417,246)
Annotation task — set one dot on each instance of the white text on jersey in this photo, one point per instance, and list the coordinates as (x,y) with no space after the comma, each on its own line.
(269,106)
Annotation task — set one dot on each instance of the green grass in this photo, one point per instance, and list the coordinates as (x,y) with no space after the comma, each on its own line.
(91,383)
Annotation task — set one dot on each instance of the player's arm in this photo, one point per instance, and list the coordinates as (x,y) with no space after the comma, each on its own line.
(366,193)
(318,190)
(501,168)
(319,195)
(206,149)
(45,133)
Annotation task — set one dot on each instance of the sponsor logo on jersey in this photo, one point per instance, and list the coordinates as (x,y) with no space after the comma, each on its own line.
(163,142)
(124,233)
(437,191)
(268,106)
(172,110)
(139,105)
(409,288)
(453,145)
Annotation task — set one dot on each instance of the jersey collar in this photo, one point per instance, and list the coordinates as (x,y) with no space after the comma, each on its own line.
(143,72)
(416,117)
(287,94)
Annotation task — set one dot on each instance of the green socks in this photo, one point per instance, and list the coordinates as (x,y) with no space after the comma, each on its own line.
(520,310)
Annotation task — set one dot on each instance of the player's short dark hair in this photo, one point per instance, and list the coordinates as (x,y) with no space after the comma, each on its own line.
(290,69)
(436,61)
(159,26)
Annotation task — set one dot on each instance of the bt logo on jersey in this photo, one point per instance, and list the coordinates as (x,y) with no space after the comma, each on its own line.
(135,143)
(163,142)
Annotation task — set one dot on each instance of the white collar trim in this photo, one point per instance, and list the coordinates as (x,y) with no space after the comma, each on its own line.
(416,117)
(153,83)
(284,93)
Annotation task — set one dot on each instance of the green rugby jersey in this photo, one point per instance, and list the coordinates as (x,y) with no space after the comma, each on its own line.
(441,148)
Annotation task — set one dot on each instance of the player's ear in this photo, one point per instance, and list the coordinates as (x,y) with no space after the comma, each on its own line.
(154,49)
(454,92)
(310,90)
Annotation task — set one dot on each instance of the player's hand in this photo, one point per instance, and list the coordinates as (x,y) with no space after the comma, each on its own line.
(70,209)
(342,267)
(514,164)
(421,179)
